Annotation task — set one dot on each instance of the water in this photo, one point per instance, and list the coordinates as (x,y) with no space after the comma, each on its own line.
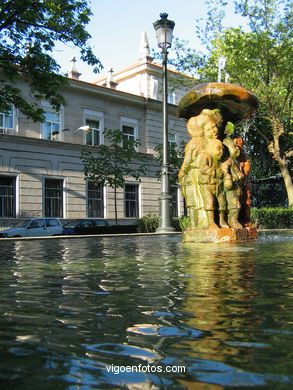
(74,313)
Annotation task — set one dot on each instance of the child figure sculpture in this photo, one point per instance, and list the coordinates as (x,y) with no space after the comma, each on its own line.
(213,181)
(200,128)
(232,167)
(213,175)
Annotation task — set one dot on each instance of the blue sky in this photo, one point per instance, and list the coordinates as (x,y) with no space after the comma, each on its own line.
(116,28)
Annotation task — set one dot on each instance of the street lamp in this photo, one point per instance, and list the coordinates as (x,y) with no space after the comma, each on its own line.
(164,32)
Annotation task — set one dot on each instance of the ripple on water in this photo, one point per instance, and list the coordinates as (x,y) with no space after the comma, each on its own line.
(209,371)
(162,314)
(167,331)
(123,350)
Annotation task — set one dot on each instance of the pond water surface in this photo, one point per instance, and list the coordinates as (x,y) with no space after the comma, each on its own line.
(146,312)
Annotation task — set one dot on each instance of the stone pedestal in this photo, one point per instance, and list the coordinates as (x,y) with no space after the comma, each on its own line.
(219,235)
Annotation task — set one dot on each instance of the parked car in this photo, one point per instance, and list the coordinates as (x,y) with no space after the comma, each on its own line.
(86,226)
(34,227)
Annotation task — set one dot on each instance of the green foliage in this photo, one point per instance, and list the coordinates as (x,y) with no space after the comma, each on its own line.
(175,223)
(262,64)
(176,156)
(210,29)
(185,60)
(184,222)
(29,31)
(261,162)
(272,218)
(268,194)
(261,60)
(113,161)
(148,224)
(229,129)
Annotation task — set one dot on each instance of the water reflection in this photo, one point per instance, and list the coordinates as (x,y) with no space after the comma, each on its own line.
(72,308)
(218,292)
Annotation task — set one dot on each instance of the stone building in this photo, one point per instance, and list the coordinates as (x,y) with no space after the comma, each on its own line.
(41,173)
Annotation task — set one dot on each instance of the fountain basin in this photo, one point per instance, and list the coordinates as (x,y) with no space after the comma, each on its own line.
(77,313)
(219,235)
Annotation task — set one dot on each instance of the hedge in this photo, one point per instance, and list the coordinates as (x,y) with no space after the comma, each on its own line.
(150,222)
(272,218)
(263,218)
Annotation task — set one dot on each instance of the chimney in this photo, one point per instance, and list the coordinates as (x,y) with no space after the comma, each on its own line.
(110,81)
(73,73)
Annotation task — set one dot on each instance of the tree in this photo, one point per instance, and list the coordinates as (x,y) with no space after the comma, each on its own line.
(193,62)
(176,156)
(114,161)
(29,31)
(261,60)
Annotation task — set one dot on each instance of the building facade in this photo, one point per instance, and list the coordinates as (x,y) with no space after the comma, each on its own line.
(41,173)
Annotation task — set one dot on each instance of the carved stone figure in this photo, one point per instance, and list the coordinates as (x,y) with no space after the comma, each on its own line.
(246,188)
(201,128)
(233,193)
(214,173)
(213,182)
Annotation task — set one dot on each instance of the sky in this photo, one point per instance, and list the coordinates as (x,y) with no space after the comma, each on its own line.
(116,28)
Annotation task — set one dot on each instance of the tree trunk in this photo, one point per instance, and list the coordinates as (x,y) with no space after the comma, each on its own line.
(115,205)
(287,181)
(278,129)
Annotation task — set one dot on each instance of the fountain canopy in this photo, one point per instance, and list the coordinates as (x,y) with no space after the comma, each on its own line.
(234,102)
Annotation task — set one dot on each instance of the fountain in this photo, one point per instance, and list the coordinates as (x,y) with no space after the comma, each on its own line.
(214,173)
(138,312)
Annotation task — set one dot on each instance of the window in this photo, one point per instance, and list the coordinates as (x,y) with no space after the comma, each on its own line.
(129,128)
(51,126)
(7,197)
(37,223)
(131,201)
(172,98)
(101,223)
(93,137)
(86,224)
(95,120)
(172,141)
(154,88)
(52,222)
(128,134)
(6,121)
(53,198)
(95,199)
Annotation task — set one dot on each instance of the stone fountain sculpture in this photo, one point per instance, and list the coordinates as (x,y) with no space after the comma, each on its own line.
(214,173)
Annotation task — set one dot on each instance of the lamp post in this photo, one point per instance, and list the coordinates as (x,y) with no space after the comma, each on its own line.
(164,32)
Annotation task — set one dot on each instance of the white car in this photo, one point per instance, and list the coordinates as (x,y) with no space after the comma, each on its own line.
(34,227)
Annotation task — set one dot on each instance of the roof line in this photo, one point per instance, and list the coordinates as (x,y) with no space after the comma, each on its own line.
(140,64)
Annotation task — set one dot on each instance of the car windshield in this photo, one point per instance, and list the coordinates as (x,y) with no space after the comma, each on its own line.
(23,223)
